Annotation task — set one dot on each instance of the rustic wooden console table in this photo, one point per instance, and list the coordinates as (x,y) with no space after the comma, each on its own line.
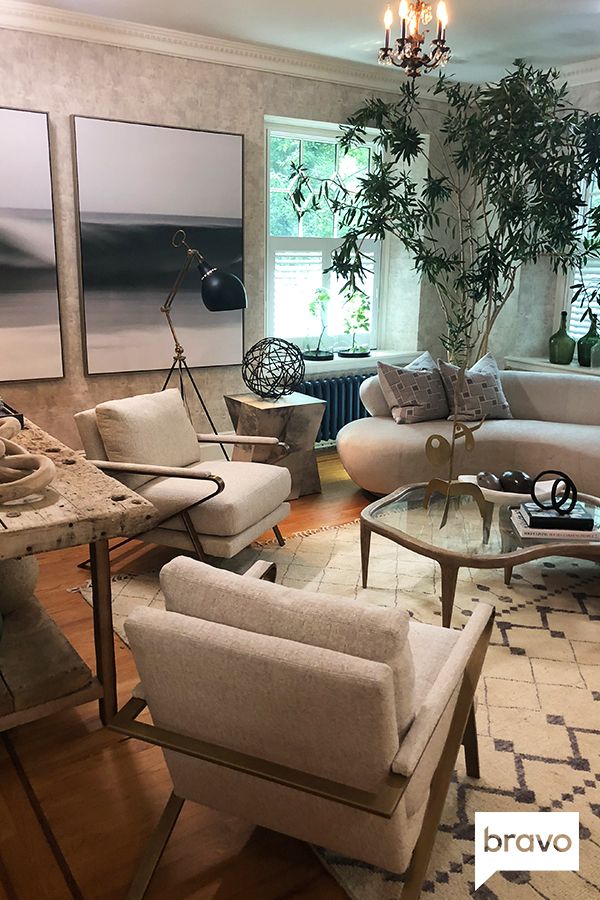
(40,672)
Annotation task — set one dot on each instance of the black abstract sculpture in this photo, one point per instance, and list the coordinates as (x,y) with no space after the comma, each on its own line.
(562,503)
(273,367)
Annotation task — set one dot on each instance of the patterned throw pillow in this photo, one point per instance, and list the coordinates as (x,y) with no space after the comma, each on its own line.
(481,395)
(414,393)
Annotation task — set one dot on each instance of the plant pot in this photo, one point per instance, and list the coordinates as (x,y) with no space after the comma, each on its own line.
(353,354)
(318,355)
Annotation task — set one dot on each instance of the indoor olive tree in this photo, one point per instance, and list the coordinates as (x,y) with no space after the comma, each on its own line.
(508,170)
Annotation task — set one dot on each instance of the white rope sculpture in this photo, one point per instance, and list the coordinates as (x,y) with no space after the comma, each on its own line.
(21,473)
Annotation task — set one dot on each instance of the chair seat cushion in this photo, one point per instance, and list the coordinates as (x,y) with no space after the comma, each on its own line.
(252,491)
(357,629)
(150,428)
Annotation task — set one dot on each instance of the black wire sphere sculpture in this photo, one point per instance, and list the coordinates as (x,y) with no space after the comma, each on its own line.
(273,367)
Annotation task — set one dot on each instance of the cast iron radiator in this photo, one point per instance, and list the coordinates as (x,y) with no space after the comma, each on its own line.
(343,401)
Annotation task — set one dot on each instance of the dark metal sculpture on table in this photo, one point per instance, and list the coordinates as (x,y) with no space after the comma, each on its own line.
(273,367)
(563,504)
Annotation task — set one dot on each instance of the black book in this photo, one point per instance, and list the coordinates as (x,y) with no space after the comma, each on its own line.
(581,518)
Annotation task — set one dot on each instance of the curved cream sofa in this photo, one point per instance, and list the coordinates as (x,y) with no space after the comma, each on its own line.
(556,425)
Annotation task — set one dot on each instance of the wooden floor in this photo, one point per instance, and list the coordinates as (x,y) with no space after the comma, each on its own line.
(78,802)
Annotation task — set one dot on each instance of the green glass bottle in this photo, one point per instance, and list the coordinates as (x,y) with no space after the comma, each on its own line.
(585,344)
(561,345)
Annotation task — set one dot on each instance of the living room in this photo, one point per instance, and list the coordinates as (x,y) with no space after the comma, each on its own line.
(299,429)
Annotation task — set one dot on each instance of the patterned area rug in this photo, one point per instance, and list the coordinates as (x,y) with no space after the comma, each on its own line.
(538,702)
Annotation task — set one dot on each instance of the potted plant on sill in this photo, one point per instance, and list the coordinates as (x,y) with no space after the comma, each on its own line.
(318,309)
(357,320)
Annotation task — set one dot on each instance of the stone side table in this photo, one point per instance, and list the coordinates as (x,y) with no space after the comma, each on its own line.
(293,419)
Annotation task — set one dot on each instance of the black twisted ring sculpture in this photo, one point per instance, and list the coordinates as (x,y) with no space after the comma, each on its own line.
(564,503)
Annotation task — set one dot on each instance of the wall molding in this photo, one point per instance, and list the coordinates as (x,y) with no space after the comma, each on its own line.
(586,72)
(21,16)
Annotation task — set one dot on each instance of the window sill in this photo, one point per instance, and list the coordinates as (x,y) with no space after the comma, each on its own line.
(539,364)
(362,364)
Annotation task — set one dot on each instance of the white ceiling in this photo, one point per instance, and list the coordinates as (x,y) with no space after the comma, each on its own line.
(485,37)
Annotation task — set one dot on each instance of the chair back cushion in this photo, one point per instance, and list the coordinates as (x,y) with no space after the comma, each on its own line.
(334,623)
(310,709)
(89,434)
(150,428)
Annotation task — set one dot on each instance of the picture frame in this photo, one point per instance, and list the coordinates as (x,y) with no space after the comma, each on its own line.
(29,286)
(137,184)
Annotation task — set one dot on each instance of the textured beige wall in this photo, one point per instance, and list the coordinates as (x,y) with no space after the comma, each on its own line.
(64,78)
(587,96)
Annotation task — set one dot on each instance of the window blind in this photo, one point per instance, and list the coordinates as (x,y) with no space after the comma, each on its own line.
(591,279)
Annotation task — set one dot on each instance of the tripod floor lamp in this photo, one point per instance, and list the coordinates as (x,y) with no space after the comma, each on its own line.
(219,291)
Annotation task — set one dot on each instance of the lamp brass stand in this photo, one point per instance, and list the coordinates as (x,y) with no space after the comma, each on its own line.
(179,359)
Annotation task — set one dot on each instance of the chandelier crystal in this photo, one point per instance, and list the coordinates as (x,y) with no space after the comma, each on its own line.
(407,50)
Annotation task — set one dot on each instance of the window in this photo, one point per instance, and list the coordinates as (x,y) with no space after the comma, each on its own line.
(299,251)
(591,279)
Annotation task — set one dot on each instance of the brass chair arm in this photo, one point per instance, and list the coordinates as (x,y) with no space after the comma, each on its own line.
(126,468)
(256,439)
(382,803)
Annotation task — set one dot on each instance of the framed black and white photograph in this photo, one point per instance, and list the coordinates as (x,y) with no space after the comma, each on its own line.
(29,309)
(137,185)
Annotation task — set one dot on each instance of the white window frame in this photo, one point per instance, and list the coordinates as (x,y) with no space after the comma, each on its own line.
(328,133)
(575,327)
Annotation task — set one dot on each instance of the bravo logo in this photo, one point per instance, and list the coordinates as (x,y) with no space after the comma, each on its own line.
(527,841)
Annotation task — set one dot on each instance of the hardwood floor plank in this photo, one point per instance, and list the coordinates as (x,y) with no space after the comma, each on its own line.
(102,794)
(28,865)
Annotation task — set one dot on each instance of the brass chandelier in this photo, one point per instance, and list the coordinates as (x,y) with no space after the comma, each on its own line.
(407,50)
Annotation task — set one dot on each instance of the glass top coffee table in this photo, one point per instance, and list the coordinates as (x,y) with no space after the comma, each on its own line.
(466,540)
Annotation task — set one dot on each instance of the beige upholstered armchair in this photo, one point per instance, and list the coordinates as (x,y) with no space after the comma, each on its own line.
(330,720)
(149,443)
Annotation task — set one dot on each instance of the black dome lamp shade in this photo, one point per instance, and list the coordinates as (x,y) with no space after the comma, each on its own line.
(220,291)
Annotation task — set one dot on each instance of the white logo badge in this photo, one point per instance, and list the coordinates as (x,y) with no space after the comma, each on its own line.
(525,841)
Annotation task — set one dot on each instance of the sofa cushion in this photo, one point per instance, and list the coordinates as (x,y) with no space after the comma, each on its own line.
(480,395)
(150,428)
(380,456)
(553,397)
(252,491)
(334,623)
(414,393)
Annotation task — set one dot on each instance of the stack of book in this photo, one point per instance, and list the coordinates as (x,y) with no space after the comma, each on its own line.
(547,524)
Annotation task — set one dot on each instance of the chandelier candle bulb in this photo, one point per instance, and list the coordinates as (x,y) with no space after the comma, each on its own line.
(387,21)
(403,11)
(442,17)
